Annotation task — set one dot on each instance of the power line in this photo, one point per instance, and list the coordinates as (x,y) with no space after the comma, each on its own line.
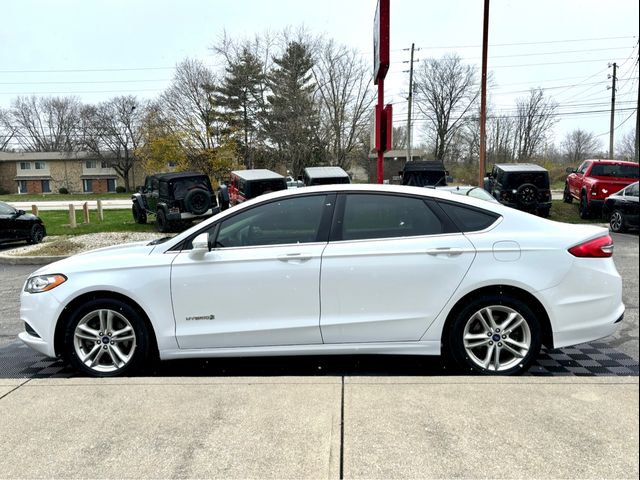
(533,43)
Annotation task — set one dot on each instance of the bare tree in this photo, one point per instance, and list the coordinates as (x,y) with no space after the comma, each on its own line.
(627,145)
(188,105)
(579,145)
(446,90)
(535,118)
(46,124)
(7,130)
(343,89)
(113,131)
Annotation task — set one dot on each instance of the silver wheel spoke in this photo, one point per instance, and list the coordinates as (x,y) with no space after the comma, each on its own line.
(516,324)
(124,358)
(512,316)
(127,329)
(114,360)
(511,341)
(475,336)
(479,343)
(492,321)
(91,333)
(97,356)
(515,352)
(496,359)
(478,316)
(91,353)
(487,358)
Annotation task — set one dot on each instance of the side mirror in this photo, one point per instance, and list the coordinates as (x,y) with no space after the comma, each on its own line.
(19,213)
(571,170)
(201,243)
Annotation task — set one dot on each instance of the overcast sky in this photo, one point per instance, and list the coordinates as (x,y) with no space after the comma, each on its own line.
(56,47)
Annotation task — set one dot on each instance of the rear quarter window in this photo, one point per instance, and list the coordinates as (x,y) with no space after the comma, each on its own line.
(467,218)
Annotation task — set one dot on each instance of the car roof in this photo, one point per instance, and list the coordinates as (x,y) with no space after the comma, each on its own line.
(178,175)
(325,172)
(521,167)
(610,162)
(257,174)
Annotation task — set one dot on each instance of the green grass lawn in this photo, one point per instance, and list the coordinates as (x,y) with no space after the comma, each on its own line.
(568,213)
(57,197)
(57,222)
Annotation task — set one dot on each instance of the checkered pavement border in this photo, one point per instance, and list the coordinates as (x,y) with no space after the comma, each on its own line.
(589,359)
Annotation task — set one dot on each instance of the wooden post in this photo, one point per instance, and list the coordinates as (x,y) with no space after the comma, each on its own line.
(34,210)
(85,213)
(100,212)
(72,216)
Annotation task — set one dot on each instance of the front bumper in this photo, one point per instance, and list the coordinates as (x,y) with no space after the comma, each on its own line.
(40,311)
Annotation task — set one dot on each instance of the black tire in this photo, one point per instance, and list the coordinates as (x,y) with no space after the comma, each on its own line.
(139,215)
(36,234)
(468,357)
(583,208)
(566,195)
(162,224)
(616,222)
(112,353)
(197,201)
(527,195)
(544,212)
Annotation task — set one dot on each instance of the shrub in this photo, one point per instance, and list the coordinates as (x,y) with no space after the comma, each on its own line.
(120,189)
(63,191)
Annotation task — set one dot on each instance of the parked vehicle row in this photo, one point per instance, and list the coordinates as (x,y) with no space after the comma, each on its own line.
(335,269)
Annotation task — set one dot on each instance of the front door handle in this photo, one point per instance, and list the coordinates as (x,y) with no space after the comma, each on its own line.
(451,252)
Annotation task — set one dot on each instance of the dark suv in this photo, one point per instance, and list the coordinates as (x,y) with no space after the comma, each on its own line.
(524,186)
(424,173)
(174,198)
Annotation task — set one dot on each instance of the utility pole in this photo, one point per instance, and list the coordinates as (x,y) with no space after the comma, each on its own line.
(613,110)
(410,99)
(637,113)
(483,95)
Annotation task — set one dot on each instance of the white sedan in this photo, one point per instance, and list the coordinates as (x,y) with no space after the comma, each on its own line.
(336,269)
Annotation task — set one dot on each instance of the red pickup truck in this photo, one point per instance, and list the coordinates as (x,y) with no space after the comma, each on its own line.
(595,180)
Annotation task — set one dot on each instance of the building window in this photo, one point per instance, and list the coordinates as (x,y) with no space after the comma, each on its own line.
(111,185)
(46,187)
(91,164)
(172,164)
(87,186)
(40,165)
(25,165)
(105,164)
(22,186)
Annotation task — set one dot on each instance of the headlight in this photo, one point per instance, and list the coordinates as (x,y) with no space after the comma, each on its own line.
(44,283)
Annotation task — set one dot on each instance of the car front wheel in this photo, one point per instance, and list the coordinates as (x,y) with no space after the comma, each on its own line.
(139,215)
(36,235)
(583,209)
(566,196)
(495,335)
(105,338)
(616,221)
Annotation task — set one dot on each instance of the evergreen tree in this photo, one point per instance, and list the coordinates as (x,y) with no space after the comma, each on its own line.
(292,121)
(240,98)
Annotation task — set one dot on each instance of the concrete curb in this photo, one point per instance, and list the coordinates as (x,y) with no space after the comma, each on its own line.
(29,260)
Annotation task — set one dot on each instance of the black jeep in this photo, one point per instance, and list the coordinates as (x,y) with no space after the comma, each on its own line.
(424,173)
(174,198)
(524,186)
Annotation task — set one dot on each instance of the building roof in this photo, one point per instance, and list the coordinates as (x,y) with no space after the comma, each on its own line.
(34,156)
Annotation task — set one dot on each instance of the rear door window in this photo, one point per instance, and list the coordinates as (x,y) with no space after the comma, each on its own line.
(467,218)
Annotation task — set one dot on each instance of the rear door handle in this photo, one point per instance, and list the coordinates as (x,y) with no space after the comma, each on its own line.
(451,252)
(294,257)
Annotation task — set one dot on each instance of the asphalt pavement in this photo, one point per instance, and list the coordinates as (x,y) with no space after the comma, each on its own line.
(335,418)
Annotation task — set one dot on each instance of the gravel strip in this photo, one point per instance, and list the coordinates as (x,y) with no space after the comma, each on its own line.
(70,245)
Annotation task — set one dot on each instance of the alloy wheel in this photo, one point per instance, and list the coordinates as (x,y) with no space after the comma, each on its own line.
(104,340)
(497,338)
(616,221)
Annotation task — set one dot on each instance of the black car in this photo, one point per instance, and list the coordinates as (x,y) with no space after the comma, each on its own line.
(621,209)
(424,173)
(523,186)
(18,225)
(174,198)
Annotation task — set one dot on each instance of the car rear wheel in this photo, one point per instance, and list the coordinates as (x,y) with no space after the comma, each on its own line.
(36,235)
(566,196)
(583,209)
(616,222)
(197,201)
(495,335)
(162,224)
(139,215)
(106,337)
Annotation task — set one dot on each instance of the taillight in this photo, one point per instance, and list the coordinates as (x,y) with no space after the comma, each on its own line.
(597,248)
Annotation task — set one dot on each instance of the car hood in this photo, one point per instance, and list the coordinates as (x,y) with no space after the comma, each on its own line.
(114,256)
